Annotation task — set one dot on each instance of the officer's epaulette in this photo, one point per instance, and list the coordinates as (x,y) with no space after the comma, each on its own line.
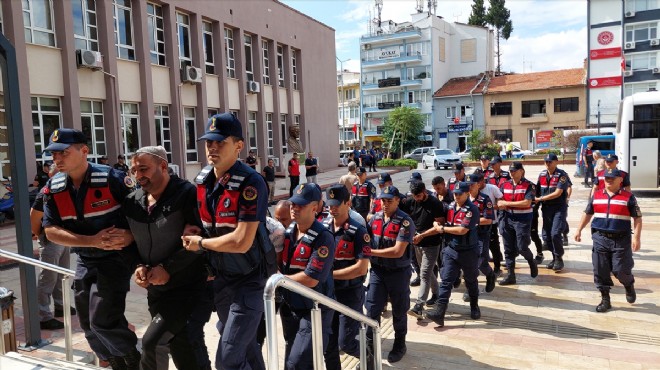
(310,236)
(289,230)
(543,173)
(352,230)
(98,177)
(327,222)
(203,174)
(503,173)
(58,183)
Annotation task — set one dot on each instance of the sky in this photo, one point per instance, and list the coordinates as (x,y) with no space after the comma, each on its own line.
(547,34)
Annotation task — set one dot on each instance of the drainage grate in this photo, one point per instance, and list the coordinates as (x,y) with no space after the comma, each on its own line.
(574,331)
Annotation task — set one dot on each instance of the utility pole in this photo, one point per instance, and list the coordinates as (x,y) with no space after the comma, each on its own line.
(598,117)
(343,107)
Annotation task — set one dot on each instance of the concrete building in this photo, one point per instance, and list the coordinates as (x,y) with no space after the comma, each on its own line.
(348,96)
(404,64)
(623,45)
(460,105)
(132,73)
(517,106)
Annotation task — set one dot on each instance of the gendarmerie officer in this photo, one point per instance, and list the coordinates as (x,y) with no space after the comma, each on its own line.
(461,252)
(485,169)
(611,162)
(551,193)
(459,176)
(307,257)
(393,232)
(384,179)
(515,225)
(611,209)
(496,177)
(232,203)
(363,193)
(353,249)
(83,210)
(486,218)
(158,214)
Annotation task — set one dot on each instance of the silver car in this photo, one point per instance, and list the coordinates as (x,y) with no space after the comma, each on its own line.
(440,158)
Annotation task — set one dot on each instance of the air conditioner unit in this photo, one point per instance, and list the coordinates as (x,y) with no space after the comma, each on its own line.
(655,42)
(367,46)
(627,73)
(656,70)
(89,59)
(253,87)
(629,45)
(191,75)
(630,14)
(175,168)
(341,142)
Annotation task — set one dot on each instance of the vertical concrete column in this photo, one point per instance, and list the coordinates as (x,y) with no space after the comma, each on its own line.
(143,55)
(63,12)
(197,53)
(176,110)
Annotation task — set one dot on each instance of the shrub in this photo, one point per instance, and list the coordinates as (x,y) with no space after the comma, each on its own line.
(549,151)
(410,163)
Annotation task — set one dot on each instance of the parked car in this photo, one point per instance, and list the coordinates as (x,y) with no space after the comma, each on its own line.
(517,152)
(343,157)
(418,153)
(465,155)
(440,158)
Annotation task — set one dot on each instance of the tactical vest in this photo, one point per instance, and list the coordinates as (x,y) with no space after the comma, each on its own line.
(485,210)
(611,214)
(515,193)
(345,251)
(548,184)
(361,197)
(295,258)
(376,206)
(601,179)
(100,208)
(385,237)
(225,219)
(455,217)
(496,180)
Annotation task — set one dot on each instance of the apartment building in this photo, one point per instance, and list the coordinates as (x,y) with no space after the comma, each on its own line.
(131,73)
(348,97)
(404,64)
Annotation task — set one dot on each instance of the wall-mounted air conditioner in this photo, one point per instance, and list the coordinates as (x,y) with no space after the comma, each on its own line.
(629,45)
(191,75)
(253,87)
(630,14)
(367,46)
(655,42)
(89,59)
(627,73)
(656,70)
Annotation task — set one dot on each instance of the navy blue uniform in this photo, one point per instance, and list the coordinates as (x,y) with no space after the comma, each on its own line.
(554,210)
(239,196)
(611,229)
(390,276)
(461,252)
(486,210)
(102,277)
(314,255)
(515,224)
(353,243)
(362,196)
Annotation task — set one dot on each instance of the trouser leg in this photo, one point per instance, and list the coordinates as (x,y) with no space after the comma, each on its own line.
(428,280)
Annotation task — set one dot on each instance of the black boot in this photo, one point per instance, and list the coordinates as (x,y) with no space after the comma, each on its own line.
(475,312)
(631,295)
(565,240)
(416,281)
(490,282)
(604,304)
(558,265)
(510,278)
(551,264)
(117,363)
(533,268)
(398,350)
(437,314)
(133,360)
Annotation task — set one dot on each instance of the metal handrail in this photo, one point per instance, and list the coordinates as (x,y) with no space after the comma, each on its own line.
(66,298)
(279,280)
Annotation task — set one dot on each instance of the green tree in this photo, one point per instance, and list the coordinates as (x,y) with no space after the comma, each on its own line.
(481,145)
(402,129)
(498,17)
(478,14)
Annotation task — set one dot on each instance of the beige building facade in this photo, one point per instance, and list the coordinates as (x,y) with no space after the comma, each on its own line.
(132,73)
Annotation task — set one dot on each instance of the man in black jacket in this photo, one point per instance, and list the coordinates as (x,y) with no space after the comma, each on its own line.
(158,214)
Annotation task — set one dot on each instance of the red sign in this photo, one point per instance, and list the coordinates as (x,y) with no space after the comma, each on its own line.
(605,37)
(544,136)
(605,53)
(595,83)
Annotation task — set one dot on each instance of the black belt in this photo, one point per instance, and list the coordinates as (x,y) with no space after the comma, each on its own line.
(612,235)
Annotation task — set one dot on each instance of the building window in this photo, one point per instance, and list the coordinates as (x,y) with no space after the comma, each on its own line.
(468,50)
(451,112)
(266,62)
(5,165)
(123,29)
(163,134)
(280,65)
(634,88)
(641,61)
(641,5)
(207,35)
(532,108)
(252,131)
(294,66)
(501,135)
(283,132)
(234,113)
(156,33)
(567,105)
(249,68)
(642,32)
(349,94)
(91,112)
(85,32)
(501,109)
(269,128)
(441,49)
(46,118)
(2,29)
(419,48)
(183,37)
(38,22)
(419,73)
(130,127)
(190,134)
(212,112)
(230,62)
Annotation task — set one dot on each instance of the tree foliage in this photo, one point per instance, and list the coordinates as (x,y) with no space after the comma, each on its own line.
(481,145)
(499,17)
(402,129)
(478,14)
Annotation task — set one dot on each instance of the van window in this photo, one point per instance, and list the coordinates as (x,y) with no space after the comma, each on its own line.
(417,151)
(603,145)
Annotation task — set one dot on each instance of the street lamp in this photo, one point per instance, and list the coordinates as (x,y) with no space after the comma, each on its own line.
(343,113)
